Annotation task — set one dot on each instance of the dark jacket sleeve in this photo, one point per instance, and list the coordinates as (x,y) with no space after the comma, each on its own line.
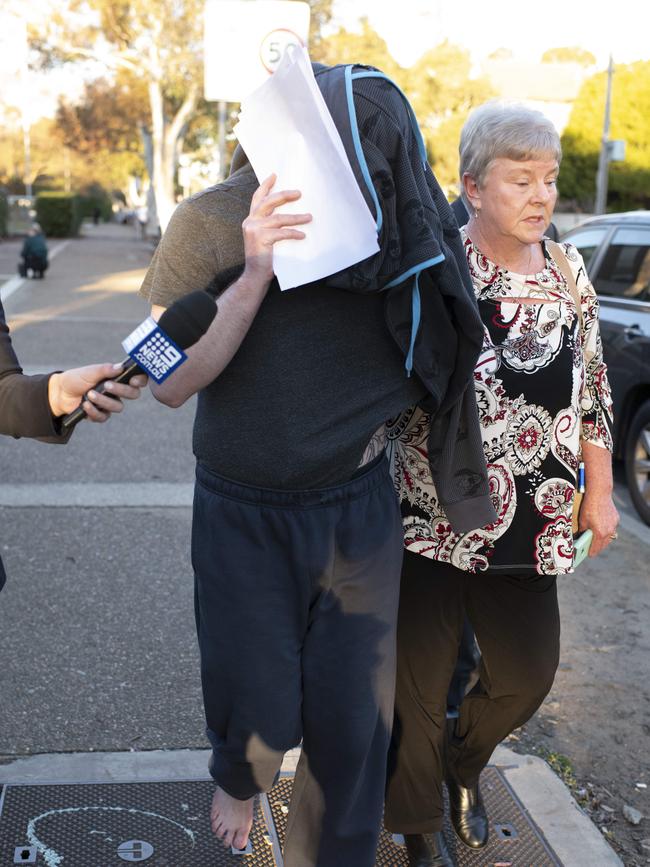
(24,406)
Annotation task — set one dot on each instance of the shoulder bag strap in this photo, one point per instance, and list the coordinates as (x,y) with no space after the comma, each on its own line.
(560,259)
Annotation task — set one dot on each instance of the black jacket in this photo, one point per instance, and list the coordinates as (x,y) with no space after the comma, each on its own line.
(430,307)
(421,267)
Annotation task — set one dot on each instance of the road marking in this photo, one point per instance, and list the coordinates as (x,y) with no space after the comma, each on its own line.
(53,859)
(69,495)
(17,281)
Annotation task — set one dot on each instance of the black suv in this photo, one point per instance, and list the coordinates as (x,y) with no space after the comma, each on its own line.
(616,250)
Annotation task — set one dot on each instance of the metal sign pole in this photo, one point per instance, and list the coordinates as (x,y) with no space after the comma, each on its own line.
(223,115)
(603,161)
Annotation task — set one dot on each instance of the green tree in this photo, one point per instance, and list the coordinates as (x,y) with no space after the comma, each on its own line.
(104,128)
(366,47)
(160,44)
(321,13)
(629,181)
(443,93)
(569,54)
(439,86)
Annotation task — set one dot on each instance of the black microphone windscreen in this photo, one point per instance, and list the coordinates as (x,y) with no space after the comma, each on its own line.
(187,320)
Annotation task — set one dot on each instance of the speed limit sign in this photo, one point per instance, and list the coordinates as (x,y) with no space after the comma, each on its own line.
(274,44)
(245,41)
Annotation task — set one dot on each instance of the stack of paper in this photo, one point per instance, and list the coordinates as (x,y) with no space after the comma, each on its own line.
(285,128)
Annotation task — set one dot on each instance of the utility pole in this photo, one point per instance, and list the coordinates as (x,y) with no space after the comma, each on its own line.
(603,161)
(27,147)
(223,116)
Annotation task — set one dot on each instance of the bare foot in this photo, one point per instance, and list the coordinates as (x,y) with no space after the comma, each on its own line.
(231,820)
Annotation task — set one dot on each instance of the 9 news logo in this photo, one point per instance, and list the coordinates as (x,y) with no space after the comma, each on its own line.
(158,355)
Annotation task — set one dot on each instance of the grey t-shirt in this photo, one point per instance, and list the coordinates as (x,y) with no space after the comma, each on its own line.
(317,374)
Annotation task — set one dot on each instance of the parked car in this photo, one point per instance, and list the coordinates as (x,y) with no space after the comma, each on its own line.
(124,216)
(616,251)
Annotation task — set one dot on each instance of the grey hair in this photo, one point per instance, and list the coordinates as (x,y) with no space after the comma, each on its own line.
(499,129)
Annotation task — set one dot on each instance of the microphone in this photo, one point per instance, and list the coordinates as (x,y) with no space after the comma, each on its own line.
(156,348)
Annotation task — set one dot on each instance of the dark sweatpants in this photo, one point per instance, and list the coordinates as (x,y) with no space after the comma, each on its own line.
(517,625)
(296,607)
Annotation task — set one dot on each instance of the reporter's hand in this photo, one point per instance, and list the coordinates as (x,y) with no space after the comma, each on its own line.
(68,389)
(263,228)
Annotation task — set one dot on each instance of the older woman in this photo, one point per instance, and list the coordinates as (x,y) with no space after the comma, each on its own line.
(544,406)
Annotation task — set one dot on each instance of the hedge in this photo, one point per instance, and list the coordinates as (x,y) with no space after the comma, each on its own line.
(96,198)
(59,214)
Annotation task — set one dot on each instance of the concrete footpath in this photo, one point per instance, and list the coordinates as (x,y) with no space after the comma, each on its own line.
(100,675)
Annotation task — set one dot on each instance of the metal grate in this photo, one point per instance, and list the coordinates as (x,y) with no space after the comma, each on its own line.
(96,825)
(514,840)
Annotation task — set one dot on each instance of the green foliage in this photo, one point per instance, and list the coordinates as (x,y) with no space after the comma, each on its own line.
(60,214)
(95,198)
(569,54)
(439,86)
(107,116)
(629,181)
(365,47)
(442,93)
(4,215)
(321,12)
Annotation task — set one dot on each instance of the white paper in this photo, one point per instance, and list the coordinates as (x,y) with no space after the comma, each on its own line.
(285,128)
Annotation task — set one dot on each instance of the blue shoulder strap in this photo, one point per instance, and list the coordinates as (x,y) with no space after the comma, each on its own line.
(346,121)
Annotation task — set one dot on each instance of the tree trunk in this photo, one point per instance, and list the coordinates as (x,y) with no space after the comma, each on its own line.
(164,139)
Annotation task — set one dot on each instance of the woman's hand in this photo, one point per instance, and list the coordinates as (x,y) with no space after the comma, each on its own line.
(598,514)
(68,389)
(262,228)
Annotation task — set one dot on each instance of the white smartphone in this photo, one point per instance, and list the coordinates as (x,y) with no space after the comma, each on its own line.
(581,546)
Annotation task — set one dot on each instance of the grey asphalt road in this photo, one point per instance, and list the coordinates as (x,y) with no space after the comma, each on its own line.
(97,643)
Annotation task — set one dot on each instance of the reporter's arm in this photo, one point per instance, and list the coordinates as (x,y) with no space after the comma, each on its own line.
(30,405)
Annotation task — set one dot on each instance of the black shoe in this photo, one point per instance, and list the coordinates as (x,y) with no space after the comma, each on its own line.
(467,813)
(427,850)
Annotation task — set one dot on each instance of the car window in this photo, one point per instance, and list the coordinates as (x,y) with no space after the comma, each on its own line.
(587,241)
(625,268)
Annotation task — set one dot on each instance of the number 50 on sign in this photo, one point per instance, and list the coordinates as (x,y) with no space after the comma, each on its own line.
(245,41)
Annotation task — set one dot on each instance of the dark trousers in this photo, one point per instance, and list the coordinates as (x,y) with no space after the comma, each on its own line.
(38,264)
(296,608)
(466,665)
(517,625)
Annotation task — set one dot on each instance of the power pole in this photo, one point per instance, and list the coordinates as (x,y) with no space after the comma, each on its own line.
(223,116)
(603,161)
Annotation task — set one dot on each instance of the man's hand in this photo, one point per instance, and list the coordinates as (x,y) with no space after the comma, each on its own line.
(262,228)
(67,390)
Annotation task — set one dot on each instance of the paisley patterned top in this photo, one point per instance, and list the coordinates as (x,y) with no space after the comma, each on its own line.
(539,382)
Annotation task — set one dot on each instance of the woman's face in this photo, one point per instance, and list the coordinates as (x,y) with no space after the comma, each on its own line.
(517,197)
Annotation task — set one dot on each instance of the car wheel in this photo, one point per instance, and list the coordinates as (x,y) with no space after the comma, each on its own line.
(637,460)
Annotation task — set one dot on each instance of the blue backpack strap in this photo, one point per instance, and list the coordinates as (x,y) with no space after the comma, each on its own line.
(330,81)
(415,302)
(374,73)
